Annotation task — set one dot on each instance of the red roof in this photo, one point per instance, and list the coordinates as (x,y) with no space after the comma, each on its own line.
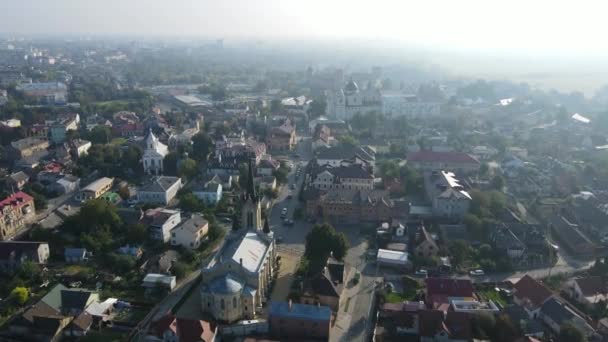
(449,157)
(532,290)
(16,200)
(449,287)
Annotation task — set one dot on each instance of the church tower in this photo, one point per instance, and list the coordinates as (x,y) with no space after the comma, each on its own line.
(251,211)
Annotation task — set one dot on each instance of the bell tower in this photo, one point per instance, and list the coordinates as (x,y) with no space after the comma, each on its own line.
(251,211)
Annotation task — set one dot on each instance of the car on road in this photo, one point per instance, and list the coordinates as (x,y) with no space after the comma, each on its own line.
(288,222)
(477,272)
(227,220)
(422,273)
(290,195)
(284,213)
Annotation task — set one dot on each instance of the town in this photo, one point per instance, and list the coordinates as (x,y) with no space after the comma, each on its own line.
(202,193)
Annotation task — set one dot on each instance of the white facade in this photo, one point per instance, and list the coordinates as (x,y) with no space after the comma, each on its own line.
(154,154)
(162,190)
(396,105)
(345,103)
(161,225)
(190,233)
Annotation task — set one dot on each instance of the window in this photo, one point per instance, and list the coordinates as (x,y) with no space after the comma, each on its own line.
(222,304)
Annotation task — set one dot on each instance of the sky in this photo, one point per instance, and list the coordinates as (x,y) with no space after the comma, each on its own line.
(521,26)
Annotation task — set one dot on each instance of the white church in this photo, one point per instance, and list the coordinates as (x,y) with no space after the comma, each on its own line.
(154,154)
(344,103)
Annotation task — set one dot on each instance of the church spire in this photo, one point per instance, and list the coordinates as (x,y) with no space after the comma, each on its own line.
(250,187)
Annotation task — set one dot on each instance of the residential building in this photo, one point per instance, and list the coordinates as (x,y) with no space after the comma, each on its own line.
(505,240)
(191,232)
(58,130)
(236,281)
(289,320)
(424,245)
(95,189)
(344,103)
(458,162)
(154,154)
(322,137)
(346,176)
(161,189)
(392,258)
(27,147)
(555,313)
(282,137)
(16,211)
(325,288)
(267,167)
(160,222)
(531,295)
(588,291)
(450,200)
(435,325)
(335,156)
(441,291)
(210,192)
(127,124)
(15,253)
(66,185)
(17,180)
(46,93)
(338,205)
(79,147)
(185,137)
(296,105)
(169,328)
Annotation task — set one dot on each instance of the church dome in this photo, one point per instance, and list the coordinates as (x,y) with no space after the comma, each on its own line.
(226,285)
(351,86)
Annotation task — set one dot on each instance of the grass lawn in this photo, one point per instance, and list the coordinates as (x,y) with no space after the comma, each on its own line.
(130,315)
(118,141)
(395,297)
(494,296)
(75,269)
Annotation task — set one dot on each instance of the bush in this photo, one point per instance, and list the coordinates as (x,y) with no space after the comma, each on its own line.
(179,270)
(20,295)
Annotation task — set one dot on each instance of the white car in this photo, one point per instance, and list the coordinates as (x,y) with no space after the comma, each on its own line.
(476,272)
(422,272)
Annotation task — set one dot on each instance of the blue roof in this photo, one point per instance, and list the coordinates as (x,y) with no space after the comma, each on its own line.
(226,285)
(301,311)
(77,252)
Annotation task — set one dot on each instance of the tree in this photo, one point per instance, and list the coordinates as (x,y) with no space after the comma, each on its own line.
(124,193)
(497,182)
(136,233)
(170,164)
(322,241)
(348,140)
(179,270)
(201,146)
(505,330)
(100,134)
(483,325)
(569,333)
(189,202)
(474,226)
(187,168)
(29,270)
(281,174)
(317,108)
(484,168)
(276,106)
(236,225)
(20,295)
(121,263)
(460,251)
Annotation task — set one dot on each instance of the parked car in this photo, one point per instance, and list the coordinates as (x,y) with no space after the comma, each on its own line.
(422,273)
(477,272)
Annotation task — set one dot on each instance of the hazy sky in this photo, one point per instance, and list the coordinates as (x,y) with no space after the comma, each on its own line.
(572,27)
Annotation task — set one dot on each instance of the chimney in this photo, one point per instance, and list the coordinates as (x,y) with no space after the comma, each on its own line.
(289,304)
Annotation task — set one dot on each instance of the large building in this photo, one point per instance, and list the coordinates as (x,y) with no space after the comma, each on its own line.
(282,137)
(459,162)
(14,253)
(449,198)
(289,320)
(345,103)
(154,154)
(95,189)
(16,211)
(348,177)
(48,93)
(408,105)
(28,146)
(160,189)
(236,281)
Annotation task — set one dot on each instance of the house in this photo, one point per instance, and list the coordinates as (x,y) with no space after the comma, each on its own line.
(345,176)
(296,105)
(449,198)
(282,137)
(66,185)
(127,124)
(555,313)
(440,291)
(160,189)
(60,311)
(267,183)
(588,291)
(79,147)
(27,147)
(75,255)
(530,327)
(16,211)
(424,245)
(210,192)
(95,189)
(267,167)
(169,328)
(289,320)
(392,258)
(435,325)
(17,180)
(531,295)
(326,287)
(334,156)
(321,138)
(436,161)
(15,253)
(161,263)
(58,130)
(45,92)
(155,280)
(340,205)
(160,223)
(190,233)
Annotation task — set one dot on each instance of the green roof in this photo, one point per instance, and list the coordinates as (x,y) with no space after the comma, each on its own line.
(53,298)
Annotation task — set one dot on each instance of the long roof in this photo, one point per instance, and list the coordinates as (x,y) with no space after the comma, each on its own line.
(300,311)
(433,156)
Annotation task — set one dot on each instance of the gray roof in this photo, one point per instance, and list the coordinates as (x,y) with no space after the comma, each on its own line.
(227,284)
(557,311)
(20,176)
(345,152)
(160,184)
(194,223)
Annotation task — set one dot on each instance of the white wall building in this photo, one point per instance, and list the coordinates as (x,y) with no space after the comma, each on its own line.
(161,189)
(408,105)
(190,233)
(345,103)
(154,154)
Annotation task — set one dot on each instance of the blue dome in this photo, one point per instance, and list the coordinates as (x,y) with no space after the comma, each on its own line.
(227,284)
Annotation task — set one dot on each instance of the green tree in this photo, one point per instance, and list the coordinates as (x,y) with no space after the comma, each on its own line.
(276,106)
(20,295)
(179,270)
(124,193)
(505,330)
(201,146)
(136,233)
(188,168)
(321,242)
(189,202)
(170,164)
(460,252)
(121,263)
(497,182)
(484,168)
(474,226)
(569,333)
(348,140)
(100,134)
(317,108)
